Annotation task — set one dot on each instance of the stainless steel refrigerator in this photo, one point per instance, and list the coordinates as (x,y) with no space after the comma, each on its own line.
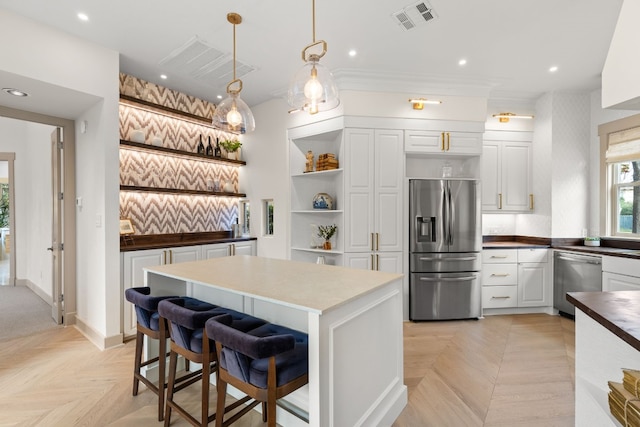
(445,249)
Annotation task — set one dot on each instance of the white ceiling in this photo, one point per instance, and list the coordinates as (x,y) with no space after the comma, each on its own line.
(509,45)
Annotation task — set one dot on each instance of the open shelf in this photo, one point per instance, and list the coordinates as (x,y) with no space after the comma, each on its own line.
(134,188)
(314,211)
(325,173)
(167,111)
(319,251)
(178,153)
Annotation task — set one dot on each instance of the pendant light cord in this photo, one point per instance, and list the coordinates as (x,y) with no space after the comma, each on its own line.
(313,15)
(234,51)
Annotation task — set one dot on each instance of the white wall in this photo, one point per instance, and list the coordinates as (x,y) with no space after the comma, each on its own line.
(267,175)
(57,58)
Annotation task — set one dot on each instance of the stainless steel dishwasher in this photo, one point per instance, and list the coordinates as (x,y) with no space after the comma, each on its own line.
(574,272)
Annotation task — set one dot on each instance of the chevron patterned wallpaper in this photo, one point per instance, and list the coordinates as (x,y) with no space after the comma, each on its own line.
(165,213)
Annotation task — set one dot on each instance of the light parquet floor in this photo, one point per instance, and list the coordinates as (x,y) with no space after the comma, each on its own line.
(499,371)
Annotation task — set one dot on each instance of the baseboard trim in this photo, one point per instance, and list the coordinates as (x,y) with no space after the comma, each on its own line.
(96,337)
(36,290)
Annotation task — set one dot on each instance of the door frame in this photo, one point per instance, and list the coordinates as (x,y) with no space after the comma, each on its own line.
(69,217)
(10,159)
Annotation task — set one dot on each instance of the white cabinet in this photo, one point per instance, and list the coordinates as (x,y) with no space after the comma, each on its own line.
(516,278)
(134,263)
(373,163)
(389,262)
(218,250)
(506,173)
(450,143)
(620,274)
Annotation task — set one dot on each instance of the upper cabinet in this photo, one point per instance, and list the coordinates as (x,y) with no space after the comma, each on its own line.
(506,172)
(443,142)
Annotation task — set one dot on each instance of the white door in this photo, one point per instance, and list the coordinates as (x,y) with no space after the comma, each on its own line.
(491,175)
(245,248)
(534,288)
(389,262)
(216,250)
(359,190)
(57,306)
(388,207)
(183,254)
(361,261)
(516,176)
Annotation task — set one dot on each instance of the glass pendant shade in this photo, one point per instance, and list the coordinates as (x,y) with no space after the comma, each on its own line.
(233,115)
(313,89)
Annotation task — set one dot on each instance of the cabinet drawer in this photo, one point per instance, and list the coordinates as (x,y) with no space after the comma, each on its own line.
(500,296)
(533,255)
(499,256)
(499,274)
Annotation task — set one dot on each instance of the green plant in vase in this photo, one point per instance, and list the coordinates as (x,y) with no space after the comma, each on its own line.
(231,146)
(326,232)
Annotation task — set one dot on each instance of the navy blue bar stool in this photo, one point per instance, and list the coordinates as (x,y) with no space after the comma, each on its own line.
(186,330)
(265,363)
(150,323)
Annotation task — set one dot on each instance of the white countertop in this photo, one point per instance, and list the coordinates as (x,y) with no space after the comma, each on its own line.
(310,287)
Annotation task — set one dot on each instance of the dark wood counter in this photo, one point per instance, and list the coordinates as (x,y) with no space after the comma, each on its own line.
(619,312)
(159,241)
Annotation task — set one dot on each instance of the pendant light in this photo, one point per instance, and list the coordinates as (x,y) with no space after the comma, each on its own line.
(233,114)
(312,89)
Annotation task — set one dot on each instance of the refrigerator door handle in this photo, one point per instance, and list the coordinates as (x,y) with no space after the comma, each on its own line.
(445,213)
(447,279)
(468,258)
(451,214)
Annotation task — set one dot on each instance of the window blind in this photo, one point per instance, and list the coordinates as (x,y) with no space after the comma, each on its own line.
(623,146)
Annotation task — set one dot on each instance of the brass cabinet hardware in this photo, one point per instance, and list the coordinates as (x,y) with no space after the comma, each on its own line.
(164,257)
(377,262)
(170,256)
(531,201)
(372,244)
(373,267)
(377,241)
(499,200)
(442,141)
(448,141)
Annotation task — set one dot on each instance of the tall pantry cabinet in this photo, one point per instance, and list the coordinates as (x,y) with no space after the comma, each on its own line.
(373,165)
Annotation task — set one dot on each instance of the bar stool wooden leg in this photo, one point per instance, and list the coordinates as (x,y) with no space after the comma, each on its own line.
(173,361)
(137,362)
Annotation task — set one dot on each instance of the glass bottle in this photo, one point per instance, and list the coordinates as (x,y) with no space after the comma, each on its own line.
(200,146)
(210,148)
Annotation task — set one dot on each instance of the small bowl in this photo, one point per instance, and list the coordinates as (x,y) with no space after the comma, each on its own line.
(592,242)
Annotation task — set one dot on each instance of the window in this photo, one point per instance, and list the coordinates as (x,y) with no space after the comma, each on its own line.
(620,177)
(245,216)
(268,217)
(626,198)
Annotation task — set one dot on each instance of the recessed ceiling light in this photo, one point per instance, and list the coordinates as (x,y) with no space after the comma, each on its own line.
(219,96)
(553,69)
(83,16)
(163,76)
(14,92)
(353,53)
(462,62)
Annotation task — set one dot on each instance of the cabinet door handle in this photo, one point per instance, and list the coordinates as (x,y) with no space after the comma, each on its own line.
(442,141)
(499,200)
(500,274)
(448,141)
(372,245)
(170,256)
(377,262)
(373,266)
(531,201)
(377,241)
(164,257)
(498,256)
(500,297)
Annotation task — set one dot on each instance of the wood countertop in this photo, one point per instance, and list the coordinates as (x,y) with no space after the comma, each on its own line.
(617,311)
(301,285)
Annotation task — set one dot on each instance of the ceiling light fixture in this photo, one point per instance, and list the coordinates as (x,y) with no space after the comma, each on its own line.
(233,114)
(418,103)
(312,89)
(505,117)
(83,16)
(14,92)
(462,62)
(553,69)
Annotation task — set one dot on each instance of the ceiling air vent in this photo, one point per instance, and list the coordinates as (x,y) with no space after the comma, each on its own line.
(414,14)
(199,60)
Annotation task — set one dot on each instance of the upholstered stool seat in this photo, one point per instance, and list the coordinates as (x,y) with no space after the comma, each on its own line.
(186,329)
(151,325)
(266,363)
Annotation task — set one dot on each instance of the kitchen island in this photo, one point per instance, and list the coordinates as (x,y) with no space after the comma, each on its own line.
(353,318)
(607,341)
